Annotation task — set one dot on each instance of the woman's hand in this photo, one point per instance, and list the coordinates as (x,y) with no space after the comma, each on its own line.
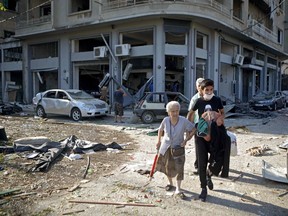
(183,144)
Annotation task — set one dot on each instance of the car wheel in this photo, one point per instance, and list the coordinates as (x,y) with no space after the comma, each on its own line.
(76,114)
(40,112)
(148,117)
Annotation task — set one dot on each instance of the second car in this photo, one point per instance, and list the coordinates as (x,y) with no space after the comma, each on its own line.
(74,103)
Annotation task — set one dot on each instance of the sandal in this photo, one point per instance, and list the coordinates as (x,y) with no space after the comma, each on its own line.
(181,195)
(169,187)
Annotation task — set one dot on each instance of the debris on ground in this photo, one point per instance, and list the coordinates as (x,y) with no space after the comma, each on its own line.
(9,108)
(274,173)
(257,150)
(284,145)
(46,151)
(113,203)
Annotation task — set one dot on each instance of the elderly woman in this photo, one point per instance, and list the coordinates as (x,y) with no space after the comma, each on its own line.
(171,146)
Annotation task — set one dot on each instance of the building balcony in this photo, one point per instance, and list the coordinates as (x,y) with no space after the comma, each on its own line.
(28,25)
(206,12)
(259,31)
(123,4)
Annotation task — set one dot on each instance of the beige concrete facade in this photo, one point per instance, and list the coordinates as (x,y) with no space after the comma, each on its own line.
(239,44)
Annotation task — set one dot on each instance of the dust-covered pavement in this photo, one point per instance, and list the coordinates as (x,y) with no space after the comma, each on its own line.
(245,192)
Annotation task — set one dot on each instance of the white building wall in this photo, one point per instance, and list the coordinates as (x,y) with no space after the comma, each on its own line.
(66,26)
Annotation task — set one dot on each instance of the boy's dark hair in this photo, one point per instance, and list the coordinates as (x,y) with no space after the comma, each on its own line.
(206,82)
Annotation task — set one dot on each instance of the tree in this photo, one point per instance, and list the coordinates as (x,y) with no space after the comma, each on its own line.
(2,8)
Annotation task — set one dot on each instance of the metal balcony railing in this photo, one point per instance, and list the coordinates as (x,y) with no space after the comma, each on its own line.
(116,4)
(32,21)
(263,31)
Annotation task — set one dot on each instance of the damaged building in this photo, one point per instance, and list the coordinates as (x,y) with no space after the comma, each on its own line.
(75,43)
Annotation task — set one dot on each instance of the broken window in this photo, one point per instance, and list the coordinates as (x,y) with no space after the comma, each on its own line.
(260,56)
(136,72)
(247,52)
(280,36)
(90,77)
(202,41)
(237,9)
(8,34)
(45,10)
(45,50)
(79,5)
(176,31)
(228,48)
(138,38)
(13,54)
(272,61)
(17,77)
(88,44)
(201,68)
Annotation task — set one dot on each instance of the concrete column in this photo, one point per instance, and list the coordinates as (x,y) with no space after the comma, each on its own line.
(28,87)
(159,58)
(189,73)
(214,60)
(2,74)
(65,74)
(115,66)
(263,83)
(245,5)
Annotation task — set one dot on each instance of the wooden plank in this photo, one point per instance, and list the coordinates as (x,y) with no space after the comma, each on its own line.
(113,203)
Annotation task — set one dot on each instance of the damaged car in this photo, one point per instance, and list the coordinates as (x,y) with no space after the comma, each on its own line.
(152,106)
(268,101)
(72,102)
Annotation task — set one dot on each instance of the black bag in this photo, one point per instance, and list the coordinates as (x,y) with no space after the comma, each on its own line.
(177,152)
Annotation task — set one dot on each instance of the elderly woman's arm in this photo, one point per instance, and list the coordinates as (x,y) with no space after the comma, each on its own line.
(189,135)
(160,134)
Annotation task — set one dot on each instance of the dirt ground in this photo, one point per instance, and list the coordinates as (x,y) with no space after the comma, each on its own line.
(117,182)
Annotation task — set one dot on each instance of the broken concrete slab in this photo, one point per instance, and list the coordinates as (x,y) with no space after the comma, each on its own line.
(272,173)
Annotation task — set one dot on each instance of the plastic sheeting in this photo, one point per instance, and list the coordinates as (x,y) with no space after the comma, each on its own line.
(50,150)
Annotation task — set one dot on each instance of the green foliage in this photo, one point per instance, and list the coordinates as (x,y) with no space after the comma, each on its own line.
(2,8)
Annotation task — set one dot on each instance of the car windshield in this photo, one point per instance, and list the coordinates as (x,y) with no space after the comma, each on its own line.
(264,96)
(78,94)
(260,95)
(270,95)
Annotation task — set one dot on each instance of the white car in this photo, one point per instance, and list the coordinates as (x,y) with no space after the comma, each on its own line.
(72,102)
(152,106)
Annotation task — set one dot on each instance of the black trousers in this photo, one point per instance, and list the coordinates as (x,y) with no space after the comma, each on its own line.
(196,157)
(215,152)
(203,153)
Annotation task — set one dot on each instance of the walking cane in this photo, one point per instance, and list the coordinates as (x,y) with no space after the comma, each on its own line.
(154,165)
(153,168)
